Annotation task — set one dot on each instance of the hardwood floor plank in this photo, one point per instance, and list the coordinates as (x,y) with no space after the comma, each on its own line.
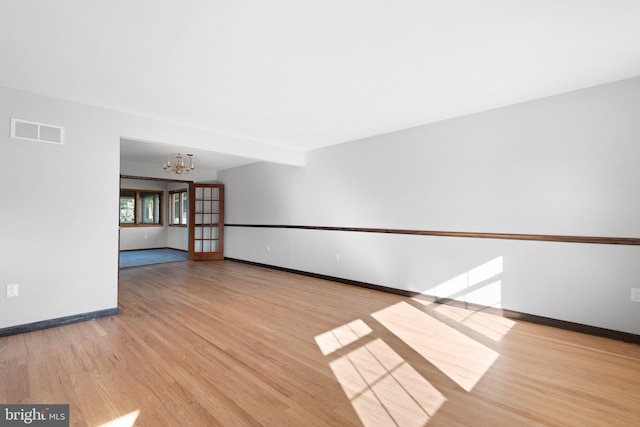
(230,344)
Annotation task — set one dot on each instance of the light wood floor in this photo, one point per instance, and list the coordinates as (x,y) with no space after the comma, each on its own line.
(223,343)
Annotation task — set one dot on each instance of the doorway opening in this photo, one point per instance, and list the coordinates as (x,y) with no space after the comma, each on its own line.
(153,220)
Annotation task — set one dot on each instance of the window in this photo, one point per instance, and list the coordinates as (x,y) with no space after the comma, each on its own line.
(140,207)
(178,207)
(150,205)
(127,207)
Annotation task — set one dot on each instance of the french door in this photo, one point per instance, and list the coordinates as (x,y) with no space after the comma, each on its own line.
(206,221)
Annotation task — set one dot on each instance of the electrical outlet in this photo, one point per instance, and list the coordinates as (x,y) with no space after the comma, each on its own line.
(12,290)
(336,256)
(268,248)
(635,294)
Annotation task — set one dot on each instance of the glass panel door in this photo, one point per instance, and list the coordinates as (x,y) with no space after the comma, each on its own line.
(207,224)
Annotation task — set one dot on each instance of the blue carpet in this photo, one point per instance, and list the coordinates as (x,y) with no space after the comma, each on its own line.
(151,256)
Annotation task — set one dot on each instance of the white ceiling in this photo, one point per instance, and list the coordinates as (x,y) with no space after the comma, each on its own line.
(310,73)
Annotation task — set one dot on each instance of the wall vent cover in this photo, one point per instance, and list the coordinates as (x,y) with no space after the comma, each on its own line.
(34,131)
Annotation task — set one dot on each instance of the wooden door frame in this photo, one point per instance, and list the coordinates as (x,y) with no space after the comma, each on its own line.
(192,213)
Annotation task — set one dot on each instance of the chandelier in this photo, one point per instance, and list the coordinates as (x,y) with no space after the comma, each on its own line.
(178,167)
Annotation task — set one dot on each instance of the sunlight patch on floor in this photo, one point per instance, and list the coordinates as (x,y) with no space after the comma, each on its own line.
(461,358)
(342,336)
(127,420)
(490,325)
(384,389)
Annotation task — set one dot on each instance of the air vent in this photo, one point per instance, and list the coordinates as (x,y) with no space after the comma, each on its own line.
(34,131)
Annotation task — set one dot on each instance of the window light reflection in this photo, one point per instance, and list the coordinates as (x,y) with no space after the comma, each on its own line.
(489,325)
(461,358)
(342,336)
(127,420)
(470,286)
(384,389)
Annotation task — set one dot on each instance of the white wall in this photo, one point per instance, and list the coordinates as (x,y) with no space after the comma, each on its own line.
(58,221)
(59,203)
(561,165)
(564,165)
